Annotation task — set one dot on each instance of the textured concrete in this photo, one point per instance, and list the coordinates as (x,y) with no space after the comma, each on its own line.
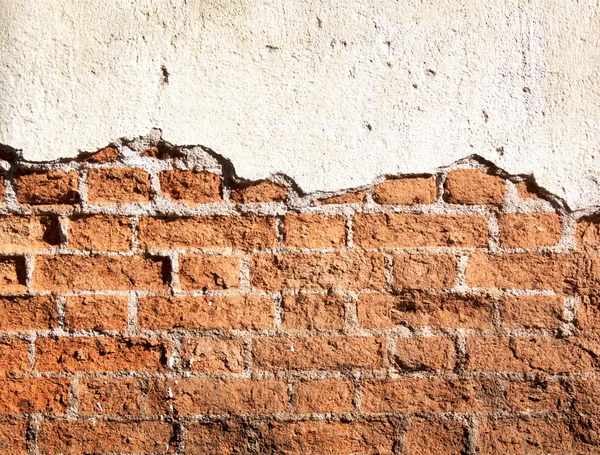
(332,93)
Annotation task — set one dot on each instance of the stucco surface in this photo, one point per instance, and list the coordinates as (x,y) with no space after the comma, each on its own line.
(331,93)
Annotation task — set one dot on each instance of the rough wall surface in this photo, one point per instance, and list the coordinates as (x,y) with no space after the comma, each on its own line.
(332,93)
(152,302)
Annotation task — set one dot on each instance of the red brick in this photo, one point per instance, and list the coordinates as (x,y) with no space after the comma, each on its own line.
(96,312)
(424,309)
(536,396)
(239,232)
(588,234)
(532,312)
(319,353)
(416,395)
(202,313)
(586,396)
(318,271)
(12,275)
(93,273)
(305,230)
(259,192)
(444,437)
(100,233)
(107,396)
(26,234)
(522,230)
(76,437)
(52,187)
(353,197)
(313,312)
(322,396)
(28,313)
(191,186)
(194,396)
(13,437)
(474,187)
(107,155)
(14,356)
(29,395)
(213,355)
(403,230)
(406,191)
(216,438)
(424,271)
(425,354)
(588,316)
(99,354)
(209,272)
(118,185)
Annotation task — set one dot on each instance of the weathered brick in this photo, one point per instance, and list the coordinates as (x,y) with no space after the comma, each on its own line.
(416,395)
(404,230)
(218,312)
(28,313)
(239,232)
(318,271)
(424,271)
(313,311)
(586,396)
(96,312)
(19,234)
(93,273)
(118,185)
(424,309)
(306,230)
(193,396)
(100,233)
(13,437)
(29,395)
(328,438)
(319,353)
(352,197)
(323,396)
(527,190)
(217,438)
(588,234)
(521,230)
(435,436)
(12,275)
(163,151)
(105,396)
(532,312)
(539,395)
(76,437)
(99,354)
(45,188)
(106,155)
(587,318)
(406,191)
(474,187)
(425,354)
(209,272)
(191,186)
(213,355)
(14,356)
(259,192)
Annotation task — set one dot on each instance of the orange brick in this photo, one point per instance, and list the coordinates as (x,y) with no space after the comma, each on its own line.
(406,191)
(218,312)
(319,353)
(107,155)
(318,271)
(105,396)
(430,436)
(19,234)
(75,437)
(13,437)
(28,313)
(92,273)
(586,396)
(193,396)
(424,271)
(98,354)
(353,197)
(474,187)
(521,230)
(532,312)
(259,192)
(305,230)
(209,272)
(118,185)
(51,187)
(425,354)
(191,186)
(416,395)
(100,233)
(323,396)
(96,312)
(217,438)
(313,312)
(527,190)
(588,234)
(536,396)
(424,309)
(587,318)
(162,151)
(213,355)
(239,232)
(14,356)
(402,230)
(12,275)
(40,395)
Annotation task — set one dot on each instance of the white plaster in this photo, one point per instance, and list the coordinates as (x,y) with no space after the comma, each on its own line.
(291,85)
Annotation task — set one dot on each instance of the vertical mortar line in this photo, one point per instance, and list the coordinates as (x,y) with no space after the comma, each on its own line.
(494,228)
(10,195)
(248,354)
(440,179)
(568,233)
(391,341)
(280,231)
(278,310)
(63,231)
(388,261)
(33,428)
(472,434)
(135,247)
(351,322)
(357,383)
(349,230)
(73,409)
(497,313)
(245,260)
(83,188)
(571,306)
(31,351)
(29,269)
(180,431)
(174,284)
(460,343)
(61,303)
(462,261)
(132,312)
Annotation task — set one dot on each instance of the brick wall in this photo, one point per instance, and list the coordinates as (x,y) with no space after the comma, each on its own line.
(151,302)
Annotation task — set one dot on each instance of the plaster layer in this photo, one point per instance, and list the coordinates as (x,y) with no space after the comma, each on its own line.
(331,93)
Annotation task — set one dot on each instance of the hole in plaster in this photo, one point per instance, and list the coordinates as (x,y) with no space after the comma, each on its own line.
(165,74)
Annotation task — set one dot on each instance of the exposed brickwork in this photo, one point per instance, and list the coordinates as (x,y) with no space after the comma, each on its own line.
(152,302)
